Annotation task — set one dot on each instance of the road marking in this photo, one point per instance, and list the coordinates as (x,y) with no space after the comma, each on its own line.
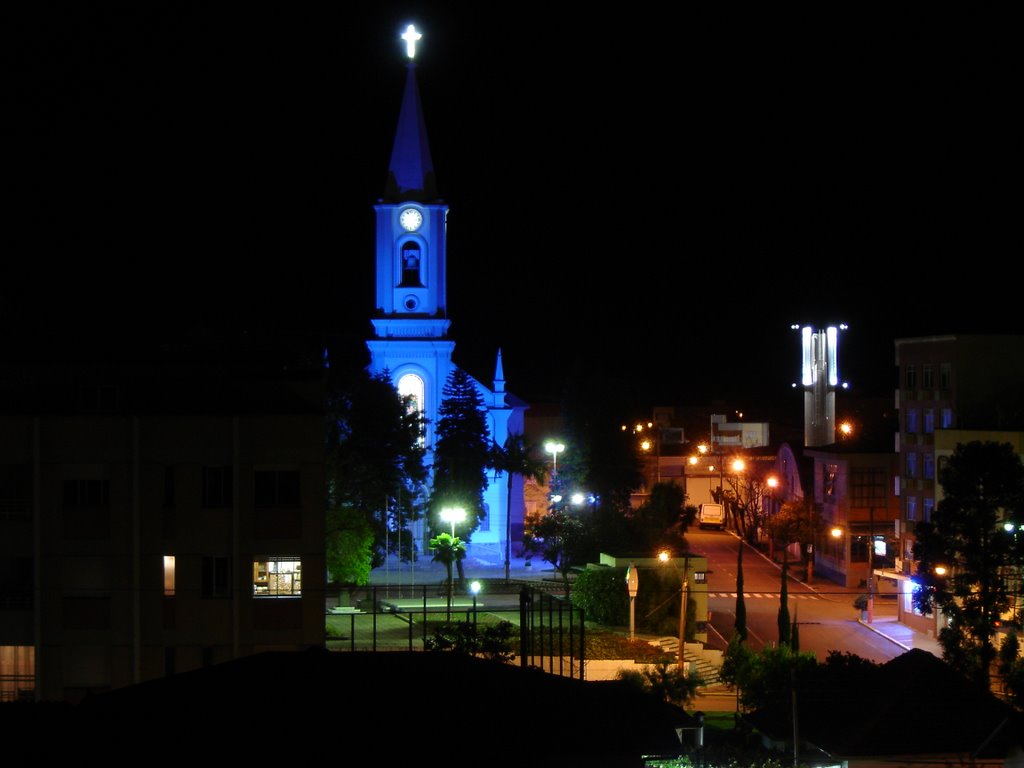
(762,595)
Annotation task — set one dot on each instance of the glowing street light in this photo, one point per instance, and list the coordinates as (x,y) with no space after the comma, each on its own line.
(554,448)
(453,515)
(665,557)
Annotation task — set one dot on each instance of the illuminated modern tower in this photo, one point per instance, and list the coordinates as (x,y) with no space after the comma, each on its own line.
(819,376)
(411,323)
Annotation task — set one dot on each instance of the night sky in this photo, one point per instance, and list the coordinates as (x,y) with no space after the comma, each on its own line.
(657,198)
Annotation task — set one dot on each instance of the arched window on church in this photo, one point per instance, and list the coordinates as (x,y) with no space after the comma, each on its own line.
(410,385)
(411,258)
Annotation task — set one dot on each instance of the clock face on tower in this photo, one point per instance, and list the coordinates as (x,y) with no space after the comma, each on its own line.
(410,219)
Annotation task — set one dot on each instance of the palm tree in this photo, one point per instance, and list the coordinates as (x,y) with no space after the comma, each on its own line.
(516,458)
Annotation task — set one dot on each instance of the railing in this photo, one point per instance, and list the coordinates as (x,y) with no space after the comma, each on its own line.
(550,630)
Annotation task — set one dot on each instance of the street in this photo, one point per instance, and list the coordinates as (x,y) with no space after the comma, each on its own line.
(823,610)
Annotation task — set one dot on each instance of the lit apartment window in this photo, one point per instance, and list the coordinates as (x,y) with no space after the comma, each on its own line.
(928,376)
(929,467)
(912,420)
(216,577)
(945,375)
(169,575)
(929,505)
(276,488)
(911,465)
(947,418)
(929,420)
(17,672)
(911,508)
(277,577)
(217,487)
(911,377)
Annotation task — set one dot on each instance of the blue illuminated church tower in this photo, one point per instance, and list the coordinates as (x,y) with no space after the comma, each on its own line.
(411,323)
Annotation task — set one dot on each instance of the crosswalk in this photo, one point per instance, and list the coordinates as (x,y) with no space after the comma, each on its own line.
(766,595)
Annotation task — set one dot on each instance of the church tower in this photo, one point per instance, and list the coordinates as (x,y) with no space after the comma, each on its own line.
(411,320)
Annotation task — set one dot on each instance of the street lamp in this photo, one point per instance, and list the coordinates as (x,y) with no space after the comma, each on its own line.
(453,515)
(665,557)
(772,482)
(474,588)
(554,448)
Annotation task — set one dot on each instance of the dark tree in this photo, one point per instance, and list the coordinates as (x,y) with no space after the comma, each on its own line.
(741,606)
(659,521)
(600,458)
(794,633)
(515,457)
(974,535)
(558,537)
(375,472)
(783,617)
(462,454)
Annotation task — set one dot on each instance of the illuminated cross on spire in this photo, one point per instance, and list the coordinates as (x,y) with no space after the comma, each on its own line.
(410,37)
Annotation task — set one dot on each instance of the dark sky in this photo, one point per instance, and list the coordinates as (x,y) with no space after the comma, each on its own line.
(657,198)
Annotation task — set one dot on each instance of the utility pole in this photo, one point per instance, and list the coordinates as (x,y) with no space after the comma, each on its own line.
(871,564)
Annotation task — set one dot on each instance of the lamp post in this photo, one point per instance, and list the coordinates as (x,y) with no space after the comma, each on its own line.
(684,600)
(772,482)
(452,515)
(554,448)
(474,588)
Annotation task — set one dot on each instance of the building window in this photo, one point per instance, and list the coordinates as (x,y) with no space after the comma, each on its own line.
(411,389)
(828,479)
(16,582)
(929,420)
(276,488)
(928,376)
(277,577)
(217,486)
(168,486)
(169,575)
(411,258)
(86,494)
(929,505)
(912,420)
(911,377)
(929,466)
(947,418)
(15,491)
(868,486)
(911,508)
(911,465)
(216,580)
(17,672)
(945,375)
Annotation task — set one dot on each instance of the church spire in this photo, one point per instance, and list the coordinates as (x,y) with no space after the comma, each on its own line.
(411,171)
(499,375)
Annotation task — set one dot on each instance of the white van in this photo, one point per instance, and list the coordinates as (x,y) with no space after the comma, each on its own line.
(711,516)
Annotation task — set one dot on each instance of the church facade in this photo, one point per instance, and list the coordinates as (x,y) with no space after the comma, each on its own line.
(411,321)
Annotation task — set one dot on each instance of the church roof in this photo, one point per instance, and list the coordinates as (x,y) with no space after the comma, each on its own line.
(411,171)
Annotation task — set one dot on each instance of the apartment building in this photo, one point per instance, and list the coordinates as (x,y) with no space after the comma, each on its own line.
(964,383)
(155,519)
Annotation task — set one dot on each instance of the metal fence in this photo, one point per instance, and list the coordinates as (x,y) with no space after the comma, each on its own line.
(550,630)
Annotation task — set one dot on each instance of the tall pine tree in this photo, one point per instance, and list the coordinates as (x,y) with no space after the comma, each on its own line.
(461,454)
(741,606)
(783,618)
